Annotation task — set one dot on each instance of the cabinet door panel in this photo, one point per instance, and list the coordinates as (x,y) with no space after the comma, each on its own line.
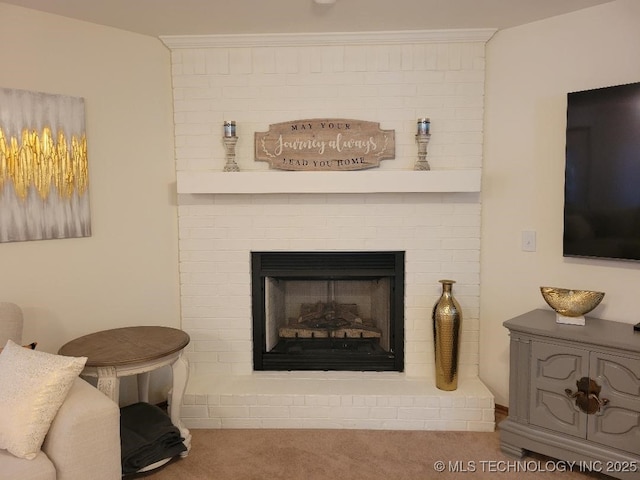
(554,369)
(618,423)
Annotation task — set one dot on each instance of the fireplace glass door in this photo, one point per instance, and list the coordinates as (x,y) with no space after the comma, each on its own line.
(328,311)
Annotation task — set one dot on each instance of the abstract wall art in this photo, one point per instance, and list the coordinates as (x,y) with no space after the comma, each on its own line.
(44,177)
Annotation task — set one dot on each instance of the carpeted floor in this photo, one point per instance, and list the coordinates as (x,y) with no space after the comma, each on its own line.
(354,455)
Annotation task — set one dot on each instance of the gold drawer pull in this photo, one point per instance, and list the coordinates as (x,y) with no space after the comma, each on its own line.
(587,396)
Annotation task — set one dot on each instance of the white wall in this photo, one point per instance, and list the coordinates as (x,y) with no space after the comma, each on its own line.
(530,69)
(385,81)
(126,273)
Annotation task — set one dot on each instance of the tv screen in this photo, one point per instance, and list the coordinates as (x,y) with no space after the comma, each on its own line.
(602,173)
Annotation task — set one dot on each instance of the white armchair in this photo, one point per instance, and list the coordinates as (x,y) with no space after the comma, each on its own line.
(83,441)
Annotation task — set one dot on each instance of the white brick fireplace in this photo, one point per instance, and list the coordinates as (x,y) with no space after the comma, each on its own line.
(433,216)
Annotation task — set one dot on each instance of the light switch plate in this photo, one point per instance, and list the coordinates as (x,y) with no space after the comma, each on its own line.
(529,241)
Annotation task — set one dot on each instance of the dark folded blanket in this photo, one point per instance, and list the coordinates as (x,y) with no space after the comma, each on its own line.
(147,436)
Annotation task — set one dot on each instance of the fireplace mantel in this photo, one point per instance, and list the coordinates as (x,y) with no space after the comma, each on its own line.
(369,181)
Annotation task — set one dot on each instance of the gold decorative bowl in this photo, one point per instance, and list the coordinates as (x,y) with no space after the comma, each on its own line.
(571,305)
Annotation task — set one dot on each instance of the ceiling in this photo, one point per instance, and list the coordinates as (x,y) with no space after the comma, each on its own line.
(204,17)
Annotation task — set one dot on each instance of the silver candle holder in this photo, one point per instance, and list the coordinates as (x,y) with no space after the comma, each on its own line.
(229,139)
(422,139)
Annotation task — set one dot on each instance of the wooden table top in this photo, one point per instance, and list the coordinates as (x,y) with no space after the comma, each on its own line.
(126,346)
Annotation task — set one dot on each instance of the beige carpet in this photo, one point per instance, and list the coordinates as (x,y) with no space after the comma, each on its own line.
(352,455)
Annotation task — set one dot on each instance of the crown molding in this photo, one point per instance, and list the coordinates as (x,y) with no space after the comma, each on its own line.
(327,39)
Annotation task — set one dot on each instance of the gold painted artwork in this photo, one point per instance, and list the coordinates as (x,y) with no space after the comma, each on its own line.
(40,160)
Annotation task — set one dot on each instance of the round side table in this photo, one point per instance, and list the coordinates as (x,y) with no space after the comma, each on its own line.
(121,352)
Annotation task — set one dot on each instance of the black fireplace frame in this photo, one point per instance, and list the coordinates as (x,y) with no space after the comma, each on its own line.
(341,265)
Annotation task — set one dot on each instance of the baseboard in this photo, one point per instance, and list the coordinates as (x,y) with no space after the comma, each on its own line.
(502,410)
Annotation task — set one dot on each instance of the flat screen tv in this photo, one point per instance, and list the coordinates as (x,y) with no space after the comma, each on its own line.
(602,173)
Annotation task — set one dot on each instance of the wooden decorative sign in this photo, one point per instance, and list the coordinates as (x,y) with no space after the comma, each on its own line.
(324,144)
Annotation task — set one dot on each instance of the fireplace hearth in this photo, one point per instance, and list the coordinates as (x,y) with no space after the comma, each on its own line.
(328,311)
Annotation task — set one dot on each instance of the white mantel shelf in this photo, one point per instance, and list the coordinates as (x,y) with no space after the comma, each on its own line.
(367,181)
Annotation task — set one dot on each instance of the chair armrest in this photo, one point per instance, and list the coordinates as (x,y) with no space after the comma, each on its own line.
(84,438)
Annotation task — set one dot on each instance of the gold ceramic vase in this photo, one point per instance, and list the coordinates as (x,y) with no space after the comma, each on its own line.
(447,318)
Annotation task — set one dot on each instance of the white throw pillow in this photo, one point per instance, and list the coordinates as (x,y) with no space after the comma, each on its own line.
(33,386)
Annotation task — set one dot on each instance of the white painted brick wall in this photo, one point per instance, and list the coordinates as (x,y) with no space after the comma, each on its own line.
(393,84)
(390,84)
(440,234)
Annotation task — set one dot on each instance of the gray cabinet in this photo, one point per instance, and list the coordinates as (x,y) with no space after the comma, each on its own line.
(574,393)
